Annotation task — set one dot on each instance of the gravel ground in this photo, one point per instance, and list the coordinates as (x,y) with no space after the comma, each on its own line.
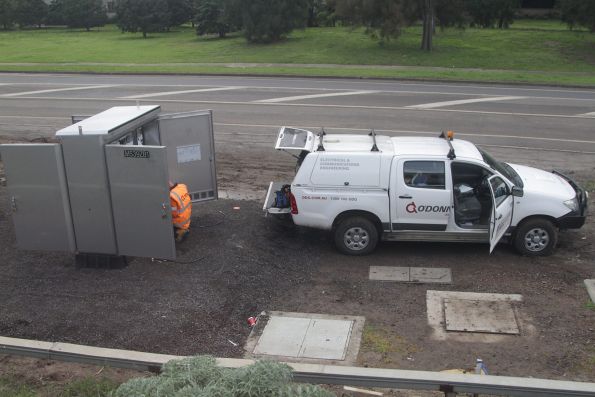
(248,263)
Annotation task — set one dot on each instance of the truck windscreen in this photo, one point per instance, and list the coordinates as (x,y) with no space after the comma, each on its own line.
(502,168)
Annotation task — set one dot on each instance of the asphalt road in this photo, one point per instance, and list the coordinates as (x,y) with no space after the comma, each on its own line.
(513,120)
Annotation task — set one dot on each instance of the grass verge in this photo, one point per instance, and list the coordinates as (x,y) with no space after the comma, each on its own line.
(11,386)
(542,52)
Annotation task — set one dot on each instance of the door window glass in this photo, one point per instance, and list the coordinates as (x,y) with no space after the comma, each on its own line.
(500,189)
(424,174)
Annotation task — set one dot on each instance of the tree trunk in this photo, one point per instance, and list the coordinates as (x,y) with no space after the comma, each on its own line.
(428,26)
(144,34)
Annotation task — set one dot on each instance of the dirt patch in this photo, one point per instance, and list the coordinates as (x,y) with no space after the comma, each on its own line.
(49,378)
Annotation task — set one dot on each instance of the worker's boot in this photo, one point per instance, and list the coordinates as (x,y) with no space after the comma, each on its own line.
(181,235)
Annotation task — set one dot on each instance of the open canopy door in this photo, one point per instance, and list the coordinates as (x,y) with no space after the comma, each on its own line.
(295,139)
(502,208)
(191,151)
(139,190)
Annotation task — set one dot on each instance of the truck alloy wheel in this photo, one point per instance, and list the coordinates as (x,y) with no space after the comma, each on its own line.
(356,236)
(536,237)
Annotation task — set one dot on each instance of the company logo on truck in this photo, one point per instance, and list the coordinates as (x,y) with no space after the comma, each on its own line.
(413,208)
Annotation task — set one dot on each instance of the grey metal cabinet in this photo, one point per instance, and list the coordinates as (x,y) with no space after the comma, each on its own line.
(103,190)
(39,196)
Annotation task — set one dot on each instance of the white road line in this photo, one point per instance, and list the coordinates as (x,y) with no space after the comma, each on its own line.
(306,105)
(91,87)
(269,88)
(592,114)
(535,149)
(379,131)
(297,98)
(180,92)
(330,80)
(462,102)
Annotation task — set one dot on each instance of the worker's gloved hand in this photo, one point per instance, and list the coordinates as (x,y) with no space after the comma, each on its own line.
(181,235)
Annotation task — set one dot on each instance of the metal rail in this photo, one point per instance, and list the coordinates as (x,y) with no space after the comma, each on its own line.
(450,384)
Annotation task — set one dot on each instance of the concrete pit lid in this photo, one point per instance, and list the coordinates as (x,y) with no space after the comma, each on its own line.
(307,337)
(424,275)
(465,315)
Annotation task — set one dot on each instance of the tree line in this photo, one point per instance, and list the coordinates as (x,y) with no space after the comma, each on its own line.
(271,20)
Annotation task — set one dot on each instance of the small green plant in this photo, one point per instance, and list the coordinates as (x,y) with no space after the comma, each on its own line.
(383,341)
(11,387)
(590,186)
(201,377)
(590,305)
(89,387)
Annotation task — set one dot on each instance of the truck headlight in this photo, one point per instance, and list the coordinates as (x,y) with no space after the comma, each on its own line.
(572,204)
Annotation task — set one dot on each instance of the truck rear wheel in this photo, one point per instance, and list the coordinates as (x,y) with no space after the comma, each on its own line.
(536,237)
(356,236)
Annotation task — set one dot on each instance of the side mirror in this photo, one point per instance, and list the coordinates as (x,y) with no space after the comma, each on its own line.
(517,191)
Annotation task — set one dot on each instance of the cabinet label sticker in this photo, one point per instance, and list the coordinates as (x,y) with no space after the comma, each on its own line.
(188,153)
(136,153)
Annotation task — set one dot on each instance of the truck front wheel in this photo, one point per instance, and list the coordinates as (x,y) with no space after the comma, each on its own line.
(536,237)
(356,236)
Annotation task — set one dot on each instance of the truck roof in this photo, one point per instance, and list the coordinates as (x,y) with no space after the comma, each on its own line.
(434,146)
(401,146)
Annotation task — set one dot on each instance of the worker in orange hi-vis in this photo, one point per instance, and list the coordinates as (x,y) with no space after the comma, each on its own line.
(181,209)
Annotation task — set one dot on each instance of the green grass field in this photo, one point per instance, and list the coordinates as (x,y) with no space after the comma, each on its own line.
(530,51)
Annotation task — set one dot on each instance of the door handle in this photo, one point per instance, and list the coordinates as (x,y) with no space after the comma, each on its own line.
(498,218)
(405,197)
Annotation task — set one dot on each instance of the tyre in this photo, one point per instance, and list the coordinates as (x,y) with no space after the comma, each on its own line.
(536,237)
(356,236)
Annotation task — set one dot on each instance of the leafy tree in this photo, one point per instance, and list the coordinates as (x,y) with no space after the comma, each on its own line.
(449,13)
(180,11)
(269,20)
(78,13)
(213,17)
(321,13)
(578,12)
(145,16)
(487,13)
(382,19)
(56,13)
(7,9)
(30,12)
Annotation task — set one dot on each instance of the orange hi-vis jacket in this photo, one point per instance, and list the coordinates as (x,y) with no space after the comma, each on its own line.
(181,206)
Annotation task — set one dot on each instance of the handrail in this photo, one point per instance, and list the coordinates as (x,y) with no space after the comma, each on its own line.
(449,383)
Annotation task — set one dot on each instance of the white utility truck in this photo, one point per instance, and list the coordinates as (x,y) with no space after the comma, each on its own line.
(366,188)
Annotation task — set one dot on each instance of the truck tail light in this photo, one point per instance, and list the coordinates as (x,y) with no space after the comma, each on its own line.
(293,203)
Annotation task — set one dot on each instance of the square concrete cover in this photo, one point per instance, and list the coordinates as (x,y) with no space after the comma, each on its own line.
(430,275)
(389,273)
(411,274)
(480,316)
(305,338)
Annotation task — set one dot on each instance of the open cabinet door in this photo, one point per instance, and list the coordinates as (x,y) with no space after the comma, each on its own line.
(38,194)
(190,143)
(139,191)
(502,209)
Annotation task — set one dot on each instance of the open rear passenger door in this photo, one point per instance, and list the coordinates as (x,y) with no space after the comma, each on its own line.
(502,209)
